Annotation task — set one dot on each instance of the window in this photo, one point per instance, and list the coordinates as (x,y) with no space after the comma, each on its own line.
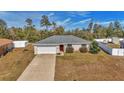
(83,45)
(69,45)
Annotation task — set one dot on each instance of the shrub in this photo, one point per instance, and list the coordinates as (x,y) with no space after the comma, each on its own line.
(25,50)
(94,48)
(69,49)
(83,50)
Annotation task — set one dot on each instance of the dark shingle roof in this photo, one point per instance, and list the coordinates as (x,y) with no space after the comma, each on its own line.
(62,39)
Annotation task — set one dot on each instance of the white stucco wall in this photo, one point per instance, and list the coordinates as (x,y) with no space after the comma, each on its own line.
(53,49)
(57,49)
(88,47)
(35,49)
(76,47)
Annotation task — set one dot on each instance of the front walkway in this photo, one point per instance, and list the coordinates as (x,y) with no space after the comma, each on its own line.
(41,68)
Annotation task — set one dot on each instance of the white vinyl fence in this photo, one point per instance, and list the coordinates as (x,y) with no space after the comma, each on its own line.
(117,52)
(104,40)
(112,51)
(20,44)
(107,40)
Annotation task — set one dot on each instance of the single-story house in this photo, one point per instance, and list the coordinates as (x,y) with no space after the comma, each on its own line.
(6,45)
(20,43)
(58,43)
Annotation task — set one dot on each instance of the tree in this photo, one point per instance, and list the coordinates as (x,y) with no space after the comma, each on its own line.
(96,27)
(94,48)
(28,28)
(29,21)
(3,29)
(45,21)
(117,25)
(16,33)
(59,30)
(109,30)
(118,31)
(3,24)
(98,30)
(19,34)
(54,25)
(12,33)
(90,26)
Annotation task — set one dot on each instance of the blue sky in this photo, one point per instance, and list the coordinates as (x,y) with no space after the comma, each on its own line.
(70,19)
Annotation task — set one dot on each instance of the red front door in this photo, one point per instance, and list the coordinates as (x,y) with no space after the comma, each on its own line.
(61,47)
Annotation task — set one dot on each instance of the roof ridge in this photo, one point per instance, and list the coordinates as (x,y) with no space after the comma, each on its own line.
(62,35)
(56,39)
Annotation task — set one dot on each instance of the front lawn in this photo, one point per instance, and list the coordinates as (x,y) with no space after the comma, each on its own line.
(86,66)
(15,62)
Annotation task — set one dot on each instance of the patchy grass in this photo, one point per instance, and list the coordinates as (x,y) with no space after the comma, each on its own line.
(14,63)
(86,66)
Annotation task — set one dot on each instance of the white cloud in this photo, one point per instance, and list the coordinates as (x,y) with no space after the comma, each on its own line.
(82,21)
(79,13)
(51,14)
(86,20)
(67,20)
(64,22)
(105,23)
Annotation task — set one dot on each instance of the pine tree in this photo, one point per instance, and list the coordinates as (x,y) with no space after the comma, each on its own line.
(94,48)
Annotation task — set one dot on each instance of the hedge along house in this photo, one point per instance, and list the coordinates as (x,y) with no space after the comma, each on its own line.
(58,43)
(6,45)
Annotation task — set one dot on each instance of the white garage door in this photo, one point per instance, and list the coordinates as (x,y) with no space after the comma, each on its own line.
(45,50)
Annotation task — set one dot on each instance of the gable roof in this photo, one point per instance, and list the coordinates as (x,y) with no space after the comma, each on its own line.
(5,41)
(62,39)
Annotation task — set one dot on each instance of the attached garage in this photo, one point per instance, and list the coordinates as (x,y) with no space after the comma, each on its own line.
(45,49)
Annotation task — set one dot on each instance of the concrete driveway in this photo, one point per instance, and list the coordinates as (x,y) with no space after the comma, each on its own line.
(41,68)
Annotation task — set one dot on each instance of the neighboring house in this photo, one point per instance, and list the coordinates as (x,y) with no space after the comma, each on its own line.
(58,43)
(112,51)
(115,40)
(20,44)
(122,44)
(104,40)
(6,45)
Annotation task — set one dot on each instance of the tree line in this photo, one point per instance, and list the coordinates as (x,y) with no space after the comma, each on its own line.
(30,33)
